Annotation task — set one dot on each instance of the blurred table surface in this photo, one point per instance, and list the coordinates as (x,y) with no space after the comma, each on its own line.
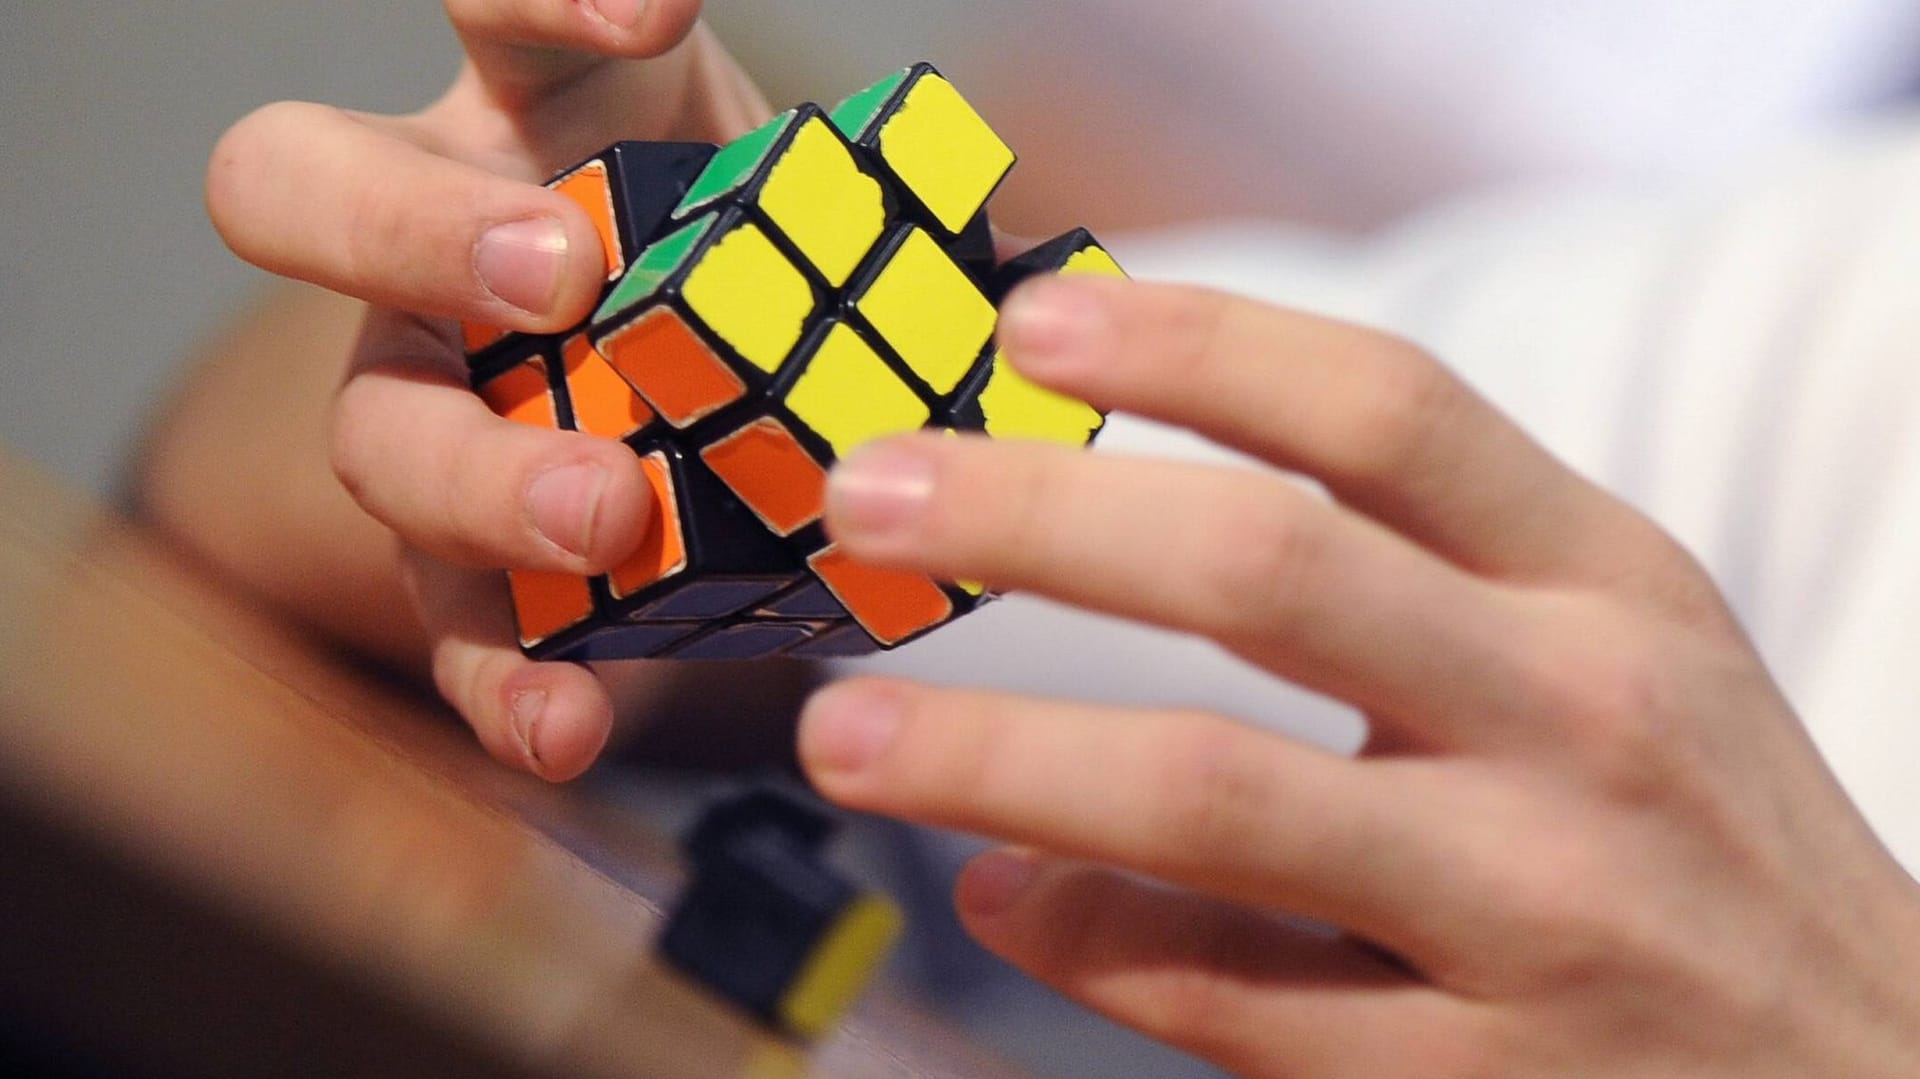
(230,852)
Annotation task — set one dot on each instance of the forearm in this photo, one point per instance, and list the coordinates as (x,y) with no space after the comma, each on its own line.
(234,469)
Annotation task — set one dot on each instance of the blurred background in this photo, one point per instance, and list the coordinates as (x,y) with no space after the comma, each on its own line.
(1344,115)
(1340,112)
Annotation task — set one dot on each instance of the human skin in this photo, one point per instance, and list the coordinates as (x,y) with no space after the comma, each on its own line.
(1586,835)
(430,218)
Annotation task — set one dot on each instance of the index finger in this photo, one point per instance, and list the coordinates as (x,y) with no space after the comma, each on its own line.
(353,204)
(1388,429)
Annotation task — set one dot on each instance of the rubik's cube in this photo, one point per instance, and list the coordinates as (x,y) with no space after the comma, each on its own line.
(821,282)
(768,923)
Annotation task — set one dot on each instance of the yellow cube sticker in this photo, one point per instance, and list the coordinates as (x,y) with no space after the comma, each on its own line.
(944,152)
(818,197)
(1016,407)
(850,397)
(928,311)
(749,294)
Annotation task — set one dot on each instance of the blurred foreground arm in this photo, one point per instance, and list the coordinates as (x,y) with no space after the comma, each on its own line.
(235,471)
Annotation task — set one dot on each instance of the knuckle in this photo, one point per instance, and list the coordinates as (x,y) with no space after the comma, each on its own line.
(1608,694)
(476,505)
(1629,735)
(1034,489)
(1263,543)
(347,442)
(1555,902)
(459,675)
(474,690)
(1209,791)
(1198,328)
(379,229)
(442,491)
(1406,397)
(234,172)
(1083,918)
(1021,488)
(1562,898)
(984,775)
(1677,583)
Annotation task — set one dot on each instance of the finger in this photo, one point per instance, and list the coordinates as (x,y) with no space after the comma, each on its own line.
(524,48)
(1007,245)
(1189,798)
(1247,558)
(345,202)
(1388,430)
(551,719)
(1245,990)
(562,104)
(425,456)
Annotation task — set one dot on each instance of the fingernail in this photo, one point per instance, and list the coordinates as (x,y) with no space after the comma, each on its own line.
(1051,321)
(845,729)
(992,883)
(621,13)
(881,492)
(527,707)
(564,503)
(521,262)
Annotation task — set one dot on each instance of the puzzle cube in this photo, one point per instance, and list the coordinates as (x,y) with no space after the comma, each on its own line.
(771,305)
(766,923)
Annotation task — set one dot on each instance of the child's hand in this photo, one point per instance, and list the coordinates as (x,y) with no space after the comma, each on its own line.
(1587,836)
(439,216)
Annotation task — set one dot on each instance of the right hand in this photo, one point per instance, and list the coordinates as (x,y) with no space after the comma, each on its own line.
(439,216)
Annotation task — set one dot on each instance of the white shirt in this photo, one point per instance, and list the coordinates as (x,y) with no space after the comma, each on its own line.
(1361,108)
(1742,361)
